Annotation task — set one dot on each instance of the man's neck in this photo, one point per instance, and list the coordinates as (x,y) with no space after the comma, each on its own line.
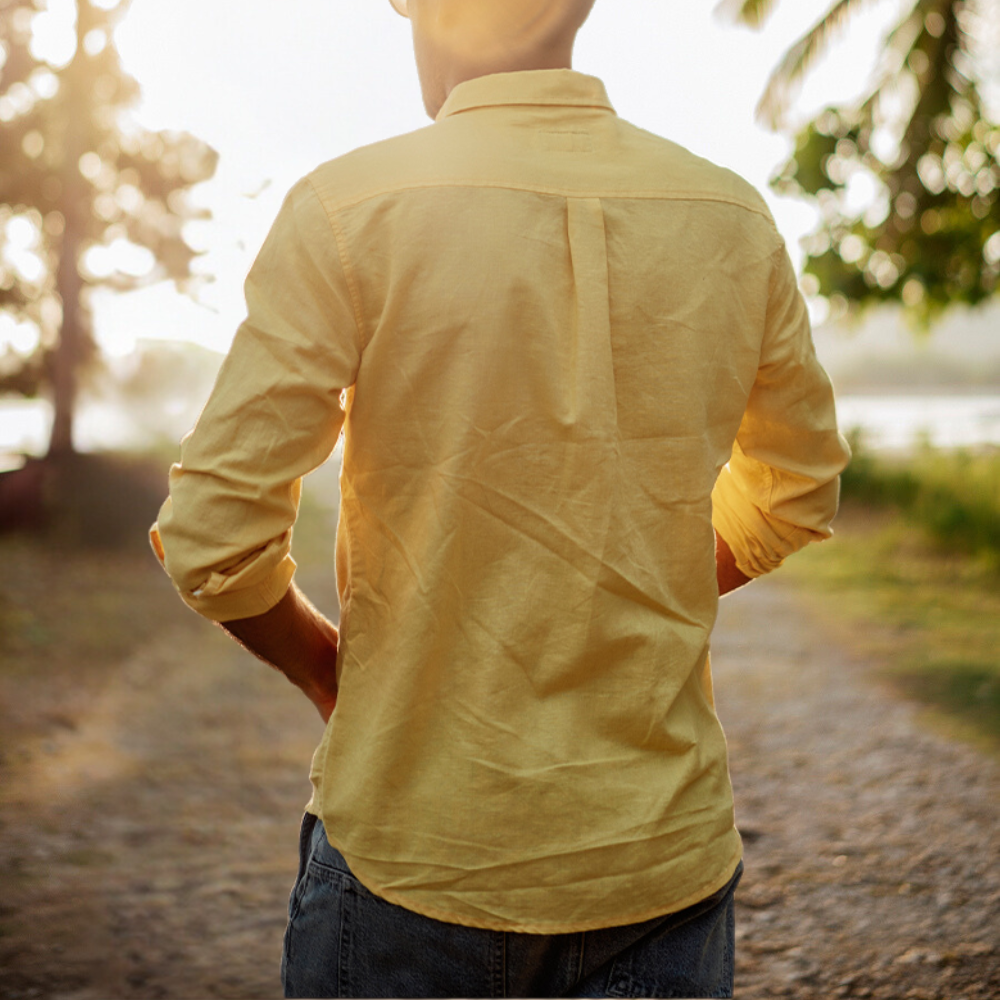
(460,72)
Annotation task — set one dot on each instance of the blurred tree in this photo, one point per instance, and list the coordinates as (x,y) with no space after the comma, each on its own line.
(920,143)
(87,198)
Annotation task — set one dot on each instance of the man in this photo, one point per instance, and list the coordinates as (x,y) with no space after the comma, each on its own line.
(559,349)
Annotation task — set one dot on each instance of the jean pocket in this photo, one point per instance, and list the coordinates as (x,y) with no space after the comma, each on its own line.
(312,955)
(327,862)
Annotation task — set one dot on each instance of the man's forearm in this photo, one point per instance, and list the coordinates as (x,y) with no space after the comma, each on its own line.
(296,639)
(727,573)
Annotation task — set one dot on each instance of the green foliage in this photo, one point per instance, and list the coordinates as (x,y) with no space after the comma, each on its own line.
(930,237)
(83,192)
(752,13)
(958,499)
(953,496)
(874,482)
(922,143)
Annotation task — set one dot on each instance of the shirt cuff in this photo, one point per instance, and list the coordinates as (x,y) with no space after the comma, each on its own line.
(760,543)
(251,587)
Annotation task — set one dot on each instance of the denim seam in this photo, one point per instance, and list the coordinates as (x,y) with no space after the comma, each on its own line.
(306,828)
(619,981)
(503,963)
(344,949)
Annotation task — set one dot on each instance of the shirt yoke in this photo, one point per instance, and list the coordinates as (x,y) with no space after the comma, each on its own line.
(623,161)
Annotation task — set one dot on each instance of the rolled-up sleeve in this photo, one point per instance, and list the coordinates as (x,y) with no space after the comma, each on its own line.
(224,533)
(780,488)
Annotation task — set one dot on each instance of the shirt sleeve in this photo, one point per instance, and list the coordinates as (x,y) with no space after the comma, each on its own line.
(224,533)
(780,488)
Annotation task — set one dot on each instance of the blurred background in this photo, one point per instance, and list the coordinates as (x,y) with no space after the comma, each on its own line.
(121,280)
(145,147)
(185,126)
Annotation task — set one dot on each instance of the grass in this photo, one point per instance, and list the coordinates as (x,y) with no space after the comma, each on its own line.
(83,584)
(914,571)
(82,590)
(911,579)
(926,612)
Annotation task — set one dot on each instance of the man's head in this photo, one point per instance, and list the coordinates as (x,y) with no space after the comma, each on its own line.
(457,40)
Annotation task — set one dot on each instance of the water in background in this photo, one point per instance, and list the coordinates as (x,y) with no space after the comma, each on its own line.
(895,422)
(149,398)
(898,422)
(25,425)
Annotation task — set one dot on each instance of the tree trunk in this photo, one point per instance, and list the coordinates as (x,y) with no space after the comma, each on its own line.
(73,333)
(67,355)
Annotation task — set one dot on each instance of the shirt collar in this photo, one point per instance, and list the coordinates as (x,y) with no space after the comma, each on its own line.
(536,86)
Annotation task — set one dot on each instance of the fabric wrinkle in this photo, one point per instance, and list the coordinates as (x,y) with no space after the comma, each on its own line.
(566,362)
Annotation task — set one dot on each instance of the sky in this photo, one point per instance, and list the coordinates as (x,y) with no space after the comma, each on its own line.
(280,87)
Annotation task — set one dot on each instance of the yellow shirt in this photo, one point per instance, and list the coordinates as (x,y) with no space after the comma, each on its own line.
(555,331)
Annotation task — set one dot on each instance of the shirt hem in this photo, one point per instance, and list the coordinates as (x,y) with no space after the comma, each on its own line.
(541,926)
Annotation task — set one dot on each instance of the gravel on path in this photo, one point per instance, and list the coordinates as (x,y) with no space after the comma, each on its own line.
(871,844)
(147,848)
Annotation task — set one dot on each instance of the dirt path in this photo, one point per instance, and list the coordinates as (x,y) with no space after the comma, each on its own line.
(148,852)
(872,848)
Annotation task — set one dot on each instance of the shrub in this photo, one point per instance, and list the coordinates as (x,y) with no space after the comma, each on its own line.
(953,495)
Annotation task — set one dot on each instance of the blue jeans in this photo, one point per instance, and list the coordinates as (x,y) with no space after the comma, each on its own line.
(343,941)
